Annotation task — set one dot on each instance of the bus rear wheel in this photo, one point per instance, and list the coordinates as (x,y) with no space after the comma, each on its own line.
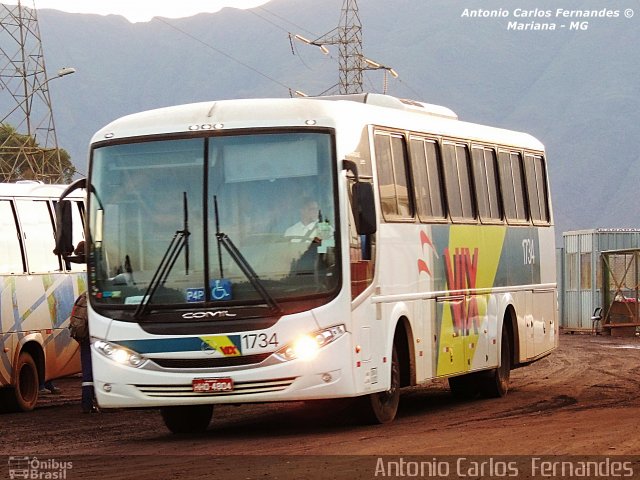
(187,418)
(496,381)
(382,407)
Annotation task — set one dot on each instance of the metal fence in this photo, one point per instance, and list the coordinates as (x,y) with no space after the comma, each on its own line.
(621,289)
(580,272)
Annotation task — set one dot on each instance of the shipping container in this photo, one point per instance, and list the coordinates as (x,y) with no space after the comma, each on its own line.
(580,272)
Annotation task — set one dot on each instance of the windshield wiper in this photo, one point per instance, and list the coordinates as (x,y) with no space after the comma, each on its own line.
(179,241)
(224,240)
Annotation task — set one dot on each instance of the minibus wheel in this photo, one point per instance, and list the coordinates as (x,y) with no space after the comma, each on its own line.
(26,384)
(187,418)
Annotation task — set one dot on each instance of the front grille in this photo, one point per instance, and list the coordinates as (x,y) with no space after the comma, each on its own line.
(211,362)
(239,388)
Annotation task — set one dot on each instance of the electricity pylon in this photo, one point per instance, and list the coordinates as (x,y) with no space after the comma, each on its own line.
(25,103)
(348,37)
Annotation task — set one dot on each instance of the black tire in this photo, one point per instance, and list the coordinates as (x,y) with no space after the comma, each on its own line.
(496,382)
(6,399)
(187,418)
(23,395)
(465,386)
(382,407)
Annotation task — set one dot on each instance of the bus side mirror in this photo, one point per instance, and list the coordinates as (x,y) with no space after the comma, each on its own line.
(64,229)
(364,208)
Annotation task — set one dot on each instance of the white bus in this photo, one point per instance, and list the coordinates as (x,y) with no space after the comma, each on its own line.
(37,292)
(300,249)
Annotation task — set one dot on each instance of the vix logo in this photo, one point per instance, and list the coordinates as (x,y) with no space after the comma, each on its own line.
(462,270)
(229,346)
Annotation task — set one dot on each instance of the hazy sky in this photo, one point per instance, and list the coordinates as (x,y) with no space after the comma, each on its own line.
(139,10)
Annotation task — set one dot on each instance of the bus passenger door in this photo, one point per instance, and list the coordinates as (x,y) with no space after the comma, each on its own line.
(476,333)
(451,342)
(464,333)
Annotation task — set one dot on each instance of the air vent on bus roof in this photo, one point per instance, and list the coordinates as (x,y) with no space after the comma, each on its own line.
(389,101)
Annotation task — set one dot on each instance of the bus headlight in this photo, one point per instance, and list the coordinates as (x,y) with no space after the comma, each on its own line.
(119,354)
(306,347)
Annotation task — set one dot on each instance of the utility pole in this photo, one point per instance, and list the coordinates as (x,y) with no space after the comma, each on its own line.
(348,37)
(25,103)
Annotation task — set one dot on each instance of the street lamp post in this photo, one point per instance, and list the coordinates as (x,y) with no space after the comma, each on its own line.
(63,72)
(51,129)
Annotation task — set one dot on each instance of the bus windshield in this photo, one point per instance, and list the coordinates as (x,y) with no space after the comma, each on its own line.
(218,221)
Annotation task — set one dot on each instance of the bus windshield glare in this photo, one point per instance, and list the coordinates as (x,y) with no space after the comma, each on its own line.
(218,221)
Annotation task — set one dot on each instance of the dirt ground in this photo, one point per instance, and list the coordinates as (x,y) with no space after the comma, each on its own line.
(581,400)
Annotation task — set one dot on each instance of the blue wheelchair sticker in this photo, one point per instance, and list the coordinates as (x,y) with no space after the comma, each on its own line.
(221,289)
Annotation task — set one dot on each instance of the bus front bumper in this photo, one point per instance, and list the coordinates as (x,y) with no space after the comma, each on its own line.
(325,376)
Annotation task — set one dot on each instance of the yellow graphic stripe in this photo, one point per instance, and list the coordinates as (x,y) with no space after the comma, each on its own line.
(478,250)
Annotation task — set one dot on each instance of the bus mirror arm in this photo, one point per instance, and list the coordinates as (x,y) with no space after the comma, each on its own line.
(363,202)
(64,226)
(64,229)
(351,166)
(80,183)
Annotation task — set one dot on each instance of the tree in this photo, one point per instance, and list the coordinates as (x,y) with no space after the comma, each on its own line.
(21,158)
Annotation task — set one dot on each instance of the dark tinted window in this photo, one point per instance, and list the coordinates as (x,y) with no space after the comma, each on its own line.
(458,181)
(512,183)
(537,188)
(391,157)
(485,173)
(427,175)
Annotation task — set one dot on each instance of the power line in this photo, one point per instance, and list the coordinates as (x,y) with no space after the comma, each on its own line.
(291,35)
(268,21)
(230,57)
(349,9)
(347,37)
(298,27)
(294,51)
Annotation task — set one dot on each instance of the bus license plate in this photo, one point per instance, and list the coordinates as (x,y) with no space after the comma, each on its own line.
(208,385)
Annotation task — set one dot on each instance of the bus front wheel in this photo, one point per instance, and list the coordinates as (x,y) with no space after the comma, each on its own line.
(187,418)
(382,407)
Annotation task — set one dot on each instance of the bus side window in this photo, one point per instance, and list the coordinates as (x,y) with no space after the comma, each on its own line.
(537,188)
(512,182)
(485,172)
(428,179)
(11,260)
(394,185)
(37,232)
(458,181)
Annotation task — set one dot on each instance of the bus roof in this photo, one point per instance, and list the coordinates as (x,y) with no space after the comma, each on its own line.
(330,111)
(30,188)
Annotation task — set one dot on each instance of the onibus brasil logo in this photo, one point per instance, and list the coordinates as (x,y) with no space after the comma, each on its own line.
(36,469)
